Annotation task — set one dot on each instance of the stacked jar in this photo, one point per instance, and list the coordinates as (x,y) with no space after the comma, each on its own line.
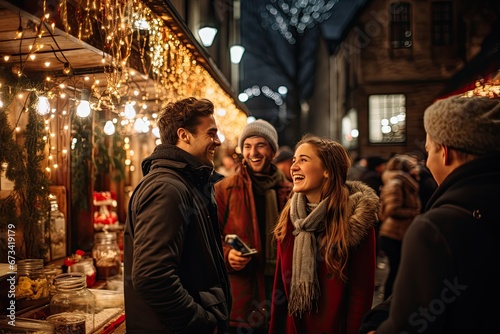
(73,305)
(106,254)
(32,288)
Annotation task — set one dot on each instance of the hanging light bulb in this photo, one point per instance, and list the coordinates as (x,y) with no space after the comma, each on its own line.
(140,126)
(109,128)
(129,111)
(156,132)
(83,109)
(67,69)
(43,105)
(19,32)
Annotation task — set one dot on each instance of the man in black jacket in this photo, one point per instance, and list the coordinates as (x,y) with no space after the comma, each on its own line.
(175,277)
(449,274)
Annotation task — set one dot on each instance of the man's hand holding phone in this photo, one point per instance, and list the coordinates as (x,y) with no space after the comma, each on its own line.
(240,254)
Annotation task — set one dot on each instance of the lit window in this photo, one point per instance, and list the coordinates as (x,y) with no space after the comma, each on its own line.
(350,130)
(387,118)
(442,23)
(401,34)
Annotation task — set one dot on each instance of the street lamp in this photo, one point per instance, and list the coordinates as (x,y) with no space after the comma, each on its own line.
(207,35)
(236,52)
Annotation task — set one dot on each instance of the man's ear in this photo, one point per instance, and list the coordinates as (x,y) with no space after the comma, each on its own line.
(447,156)
(183,135)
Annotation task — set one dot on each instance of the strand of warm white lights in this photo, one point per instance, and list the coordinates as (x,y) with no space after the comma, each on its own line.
(173,65)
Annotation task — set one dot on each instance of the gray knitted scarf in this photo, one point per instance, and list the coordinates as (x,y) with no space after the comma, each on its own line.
(304,287)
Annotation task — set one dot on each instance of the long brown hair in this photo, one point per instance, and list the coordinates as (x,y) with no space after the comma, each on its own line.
(332,243)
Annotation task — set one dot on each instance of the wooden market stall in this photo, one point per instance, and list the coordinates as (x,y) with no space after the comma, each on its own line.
(80,88)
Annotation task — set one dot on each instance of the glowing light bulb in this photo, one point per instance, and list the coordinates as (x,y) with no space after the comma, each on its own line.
(83,109)
(43,106)
(129,111)
(109,128)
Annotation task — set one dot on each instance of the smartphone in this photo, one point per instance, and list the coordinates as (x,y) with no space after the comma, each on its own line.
(236,243)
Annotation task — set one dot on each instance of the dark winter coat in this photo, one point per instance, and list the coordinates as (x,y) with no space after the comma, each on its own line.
(175,279)
(448,279)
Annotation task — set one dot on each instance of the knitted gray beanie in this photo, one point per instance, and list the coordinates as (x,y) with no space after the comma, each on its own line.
(260,128)
(469,124)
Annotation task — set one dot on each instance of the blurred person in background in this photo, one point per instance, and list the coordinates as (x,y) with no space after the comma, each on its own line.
(357,169)
(399,205)
(372,176)
(228,166)
(283,160)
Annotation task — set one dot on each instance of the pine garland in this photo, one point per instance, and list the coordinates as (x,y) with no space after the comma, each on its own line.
(81,160)
(27,206)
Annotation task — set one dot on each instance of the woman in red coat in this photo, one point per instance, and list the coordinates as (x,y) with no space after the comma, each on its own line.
(325,271)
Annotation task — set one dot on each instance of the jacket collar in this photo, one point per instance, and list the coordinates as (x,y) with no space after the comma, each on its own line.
(173,157)
(462,186)
(364,206)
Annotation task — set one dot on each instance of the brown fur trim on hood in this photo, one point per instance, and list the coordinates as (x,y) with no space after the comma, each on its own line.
(364,206)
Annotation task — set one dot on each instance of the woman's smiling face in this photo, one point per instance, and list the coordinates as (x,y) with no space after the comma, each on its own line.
(308,173)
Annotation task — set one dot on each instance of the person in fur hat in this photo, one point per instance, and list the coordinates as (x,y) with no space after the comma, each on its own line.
(449,275)
(325,269)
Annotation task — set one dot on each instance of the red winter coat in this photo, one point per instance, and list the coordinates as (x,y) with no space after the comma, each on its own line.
(341,305)
(238,215)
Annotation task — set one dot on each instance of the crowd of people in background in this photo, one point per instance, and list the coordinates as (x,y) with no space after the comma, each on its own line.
(316,222)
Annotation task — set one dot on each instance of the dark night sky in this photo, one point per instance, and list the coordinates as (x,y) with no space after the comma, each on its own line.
(270,60)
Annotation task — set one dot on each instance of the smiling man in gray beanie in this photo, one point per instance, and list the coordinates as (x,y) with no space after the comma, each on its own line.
(449,271)
(249,203)
(260,128)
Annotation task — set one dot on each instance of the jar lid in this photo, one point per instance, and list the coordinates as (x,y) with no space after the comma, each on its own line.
(70,281)
(29,265)
(23,324)
(68,322)
(104,236)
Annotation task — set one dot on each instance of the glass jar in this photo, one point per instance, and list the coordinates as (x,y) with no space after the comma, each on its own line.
(68,323)
(57,232)
(86,266)
(32,288)
(106,255)
(72,299)
(51,271)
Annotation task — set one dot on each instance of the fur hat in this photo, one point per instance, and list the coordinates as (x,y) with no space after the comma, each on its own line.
(260,128)
(469,124)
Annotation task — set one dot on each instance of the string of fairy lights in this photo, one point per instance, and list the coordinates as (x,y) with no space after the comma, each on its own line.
(164,59)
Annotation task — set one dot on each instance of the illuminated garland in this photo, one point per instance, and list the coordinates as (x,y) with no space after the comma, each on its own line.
(486,88)
(170,64)
(27,206)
